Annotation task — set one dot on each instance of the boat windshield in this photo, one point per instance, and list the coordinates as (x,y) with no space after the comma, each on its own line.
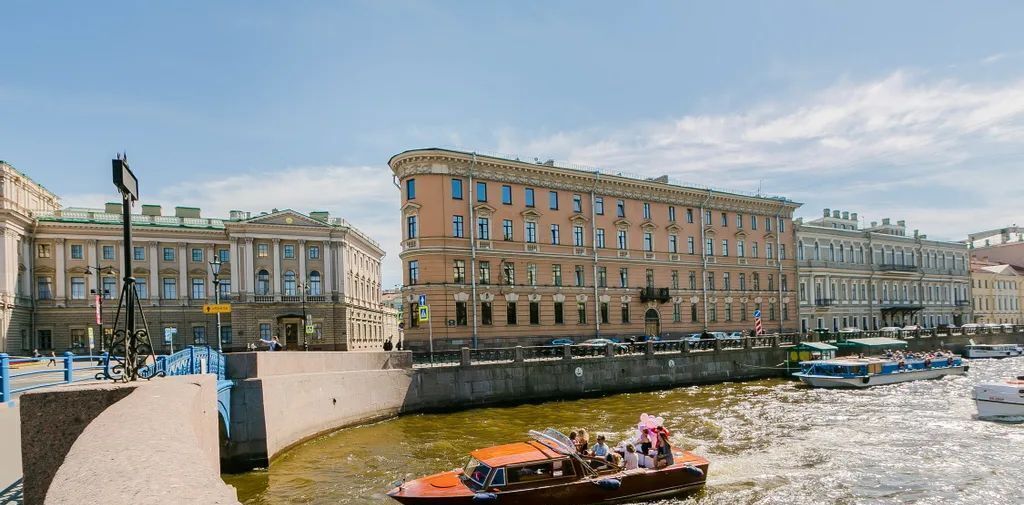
(476,472)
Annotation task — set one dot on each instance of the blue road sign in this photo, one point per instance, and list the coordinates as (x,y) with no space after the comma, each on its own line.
(757,313)
(423,299)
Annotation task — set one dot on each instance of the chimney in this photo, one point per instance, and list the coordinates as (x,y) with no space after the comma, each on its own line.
(150,210)
(835,214)
(320,215)
(187,212)
(846,215)
(112,208)
(853,216)
(901,223)
(885,221)
(828,212)
(874,224)
(238,215)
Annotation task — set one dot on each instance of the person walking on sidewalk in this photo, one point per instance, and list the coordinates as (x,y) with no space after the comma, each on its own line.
(53,359)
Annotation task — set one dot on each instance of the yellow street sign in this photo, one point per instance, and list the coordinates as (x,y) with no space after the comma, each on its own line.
(424,313)
(217,308)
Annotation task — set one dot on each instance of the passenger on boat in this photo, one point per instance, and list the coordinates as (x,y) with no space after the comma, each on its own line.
(601,448)
(574,438)
(583,442)
(631,457)
(664,448)
(645,441)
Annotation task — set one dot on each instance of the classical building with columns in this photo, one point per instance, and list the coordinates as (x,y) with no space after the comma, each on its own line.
(278,268)
(878,276)
(508,252)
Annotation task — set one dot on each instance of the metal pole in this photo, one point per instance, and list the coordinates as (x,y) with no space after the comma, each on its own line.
(430,332)
(131,340)
(216,297)
(305,334)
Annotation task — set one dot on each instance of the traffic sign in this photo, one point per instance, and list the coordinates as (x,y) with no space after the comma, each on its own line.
(217,308)
(310,329)
(92,340)
(757,313)
(424,313)
(169,335)
(423,299)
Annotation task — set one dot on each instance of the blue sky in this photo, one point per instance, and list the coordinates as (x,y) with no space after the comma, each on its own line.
(910,110)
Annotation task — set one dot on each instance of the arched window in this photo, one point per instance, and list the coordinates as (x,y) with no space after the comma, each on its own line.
(817,251)
(263,283)
(289,283)
(314,283)
(800,250)
(831,252)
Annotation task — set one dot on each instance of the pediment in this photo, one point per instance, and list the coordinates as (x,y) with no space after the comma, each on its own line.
(197,272)
(673,227)
(578,218)
(287,217)
(140,270)
(622,223)
(769,236)
(45,269)
(168,271)
(648,225)
(410,208)
(740,234)
(530,214)
(483,209)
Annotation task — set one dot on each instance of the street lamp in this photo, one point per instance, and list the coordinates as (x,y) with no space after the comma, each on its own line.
(100,294)
(215,268)
(303,290)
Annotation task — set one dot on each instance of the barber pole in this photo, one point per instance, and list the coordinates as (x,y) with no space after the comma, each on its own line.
(758,328)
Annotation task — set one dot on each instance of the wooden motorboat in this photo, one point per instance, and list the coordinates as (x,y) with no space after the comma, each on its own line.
(546,470)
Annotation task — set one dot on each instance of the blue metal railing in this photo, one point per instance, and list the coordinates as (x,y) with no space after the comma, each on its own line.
(61,369)
(190,360)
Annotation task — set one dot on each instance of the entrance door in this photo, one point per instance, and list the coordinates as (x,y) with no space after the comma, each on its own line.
(291,335)
(652,323)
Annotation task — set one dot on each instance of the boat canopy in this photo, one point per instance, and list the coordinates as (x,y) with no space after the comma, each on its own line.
(876,343)
(815,346)
(555,440)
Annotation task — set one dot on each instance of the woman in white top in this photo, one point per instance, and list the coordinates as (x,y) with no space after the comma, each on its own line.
(630,457)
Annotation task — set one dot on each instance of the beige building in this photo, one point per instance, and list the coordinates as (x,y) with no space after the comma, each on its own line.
(277,267)
(878,276)
(999,236)
(996,293)
(508,252)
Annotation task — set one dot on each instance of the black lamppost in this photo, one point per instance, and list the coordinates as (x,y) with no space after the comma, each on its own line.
(215,268)
(303,290)
(100,294)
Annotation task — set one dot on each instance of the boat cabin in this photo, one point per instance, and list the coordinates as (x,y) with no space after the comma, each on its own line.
(844,367)
(526,464)
(807,351)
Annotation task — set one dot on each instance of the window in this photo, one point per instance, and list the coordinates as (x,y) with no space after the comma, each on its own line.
(624,312)
(410,189)
(225,254)
(693,312)
(78,288)
(485,272)
(76,251)
(197,255)
(461,316)
(109,288)
(142,286)
(650,278)
(782,224)
(647,210)
(528,196)
(709,247)
(673,243)
(771,282)
(483,228)
(509,272)
(725,219)
(534,312)
(577,236)
(531,232)
(289,251)
(725,247)
(648,241)
(712,313)
(289,283)
(740,249)
(170,291)
(198,289)
(108,252)
(623,277)
(263,283)
(756,279)
(506,229)
(43,250)
(622,239)
(739,221)
(753,249)
(743,282)
(556,275)
(198,334)
(459,271)
(314,284)
(481,191)
(139,253)
(44,288)
(486,314)
(456,189)
(707,217)
(77,338)
(581,278)
(559,315)
(677,312)
(602,277)
(510,313)
(767,223)
(577,203)
(690,247)
(782,252)
(710,281)
(728,312)
(689,216)
(531,274)
(599,205)
(693,280)
(506,194)
(457,227)
(600,238)
(581,311)
(555,239)
(604,312)
(414,272)
(265,331)
(726,281)
(620,208)
(671,214)
(410,227)
(753,222)
(675,279)
(553,200)
(769,251)
(262,251)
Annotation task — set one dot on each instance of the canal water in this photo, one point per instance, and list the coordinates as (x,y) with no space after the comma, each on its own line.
(769,441)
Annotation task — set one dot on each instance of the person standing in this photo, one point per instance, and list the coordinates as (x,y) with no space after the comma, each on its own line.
(387,344)
(53,359)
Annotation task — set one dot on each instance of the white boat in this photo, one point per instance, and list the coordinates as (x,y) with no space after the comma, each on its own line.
(867,372)
(1001,401)
(973,350)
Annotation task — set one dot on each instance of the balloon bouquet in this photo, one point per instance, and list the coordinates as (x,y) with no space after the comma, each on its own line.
(647,436)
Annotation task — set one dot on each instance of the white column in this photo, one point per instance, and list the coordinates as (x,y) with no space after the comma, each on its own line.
(183,287)
(250,267)
(302,262)
(27,279)
(277,269)
(236,266)
(156,288)
(342,275)
(328,268)
(61,277)
(91,259)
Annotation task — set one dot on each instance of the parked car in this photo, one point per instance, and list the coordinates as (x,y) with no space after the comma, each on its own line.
(693,337)
(647,338)
(601,343)
(561,341)
(911,327)
(735,335)
(721,335)
(890,330)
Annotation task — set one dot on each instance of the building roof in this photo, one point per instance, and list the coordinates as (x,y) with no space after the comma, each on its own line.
(518,452)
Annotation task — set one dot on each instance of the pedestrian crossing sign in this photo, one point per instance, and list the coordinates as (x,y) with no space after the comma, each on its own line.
(424,313)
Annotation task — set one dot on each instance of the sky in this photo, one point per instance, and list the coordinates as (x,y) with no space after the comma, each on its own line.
(911,110)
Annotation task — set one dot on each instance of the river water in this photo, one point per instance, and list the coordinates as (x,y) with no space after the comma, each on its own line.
(769,441)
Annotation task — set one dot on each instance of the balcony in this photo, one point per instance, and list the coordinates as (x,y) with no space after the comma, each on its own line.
(660,295)
(897,268)
(824,302)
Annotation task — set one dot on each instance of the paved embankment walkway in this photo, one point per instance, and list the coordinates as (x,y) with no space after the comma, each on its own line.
(10,452)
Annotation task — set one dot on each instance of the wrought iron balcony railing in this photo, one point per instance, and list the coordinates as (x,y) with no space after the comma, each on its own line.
(660,295)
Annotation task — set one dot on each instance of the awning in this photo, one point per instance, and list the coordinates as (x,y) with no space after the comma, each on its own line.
(875,342)
(815,346)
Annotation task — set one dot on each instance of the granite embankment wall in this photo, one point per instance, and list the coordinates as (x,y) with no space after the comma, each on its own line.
(145,442)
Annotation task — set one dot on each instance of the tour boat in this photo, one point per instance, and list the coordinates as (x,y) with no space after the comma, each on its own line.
(973,350)
(547,469)
(1002,401)
(851,372)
